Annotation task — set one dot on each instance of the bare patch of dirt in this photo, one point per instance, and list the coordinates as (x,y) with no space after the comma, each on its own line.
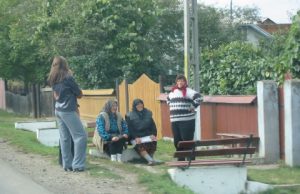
(51,176)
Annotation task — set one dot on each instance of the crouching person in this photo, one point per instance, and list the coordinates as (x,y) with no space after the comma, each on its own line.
(112,129)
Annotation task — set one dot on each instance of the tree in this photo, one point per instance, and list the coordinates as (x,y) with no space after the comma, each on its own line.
(20,59)
(125,38)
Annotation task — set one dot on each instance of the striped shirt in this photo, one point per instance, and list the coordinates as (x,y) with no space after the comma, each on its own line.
(180,106)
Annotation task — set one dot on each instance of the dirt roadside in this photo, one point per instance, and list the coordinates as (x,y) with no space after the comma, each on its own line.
(51,176)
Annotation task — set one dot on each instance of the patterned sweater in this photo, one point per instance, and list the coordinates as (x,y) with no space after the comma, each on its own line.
(180,106)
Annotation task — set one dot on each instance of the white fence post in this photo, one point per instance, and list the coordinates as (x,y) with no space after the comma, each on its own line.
(268,121)
(2,95)
(292,122)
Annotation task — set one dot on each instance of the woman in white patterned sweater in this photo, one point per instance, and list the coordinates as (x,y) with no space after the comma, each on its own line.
(182,101)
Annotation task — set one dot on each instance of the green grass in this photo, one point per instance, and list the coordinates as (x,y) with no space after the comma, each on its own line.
(97,170)
(281,176)
(277,176)
(25,140)
(284,190)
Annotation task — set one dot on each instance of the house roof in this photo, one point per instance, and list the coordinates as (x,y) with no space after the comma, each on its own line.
(267,21)
(257,29)
(271,27)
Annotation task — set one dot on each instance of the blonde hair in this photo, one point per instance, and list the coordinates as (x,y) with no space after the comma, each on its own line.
(59,70)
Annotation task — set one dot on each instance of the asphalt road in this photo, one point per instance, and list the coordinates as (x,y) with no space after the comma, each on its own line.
(14,182)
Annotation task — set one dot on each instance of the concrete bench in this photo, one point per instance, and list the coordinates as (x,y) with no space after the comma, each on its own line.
(210,174)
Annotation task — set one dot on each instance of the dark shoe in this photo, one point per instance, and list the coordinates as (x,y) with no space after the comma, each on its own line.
(158,162)
(78,169)
(154,163)
(68,169)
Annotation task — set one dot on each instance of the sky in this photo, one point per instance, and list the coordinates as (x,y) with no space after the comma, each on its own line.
(277,10)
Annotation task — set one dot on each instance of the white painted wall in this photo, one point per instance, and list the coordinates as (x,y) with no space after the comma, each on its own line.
(48,136)
(211,179)
(2,95)
(268,121)
(34,125)
(292,122)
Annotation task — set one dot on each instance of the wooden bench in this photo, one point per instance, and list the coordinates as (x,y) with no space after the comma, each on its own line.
(230,135)
(214,147)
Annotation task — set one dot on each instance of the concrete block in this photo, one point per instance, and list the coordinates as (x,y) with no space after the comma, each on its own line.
(34,125)
(257,187)
(96,153)
(130,154)
(48,136)
(211,179)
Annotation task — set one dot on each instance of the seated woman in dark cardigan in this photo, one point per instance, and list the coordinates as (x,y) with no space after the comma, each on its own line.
(142,131)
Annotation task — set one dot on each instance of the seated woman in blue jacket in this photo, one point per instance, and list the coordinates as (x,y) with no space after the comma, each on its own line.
(112,129)
(142,131)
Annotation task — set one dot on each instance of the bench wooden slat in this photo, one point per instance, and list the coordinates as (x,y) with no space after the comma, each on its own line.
(206,163)
(190,144)
(217,147)
(231,135)
(216,152)
(91,145)
(90,133)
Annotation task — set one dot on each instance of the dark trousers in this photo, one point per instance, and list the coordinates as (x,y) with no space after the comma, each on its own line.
(183,131)
(116,147)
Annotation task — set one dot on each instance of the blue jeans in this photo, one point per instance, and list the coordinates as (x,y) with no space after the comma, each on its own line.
(70,127)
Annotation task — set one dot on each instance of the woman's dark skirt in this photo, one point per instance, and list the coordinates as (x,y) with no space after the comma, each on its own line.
(149,147)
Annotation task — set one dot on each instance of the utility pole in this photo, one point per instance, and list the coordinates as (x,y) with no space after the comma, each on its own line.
(191,48)
(195,45)
(187,39)
(231,17)
(191,45)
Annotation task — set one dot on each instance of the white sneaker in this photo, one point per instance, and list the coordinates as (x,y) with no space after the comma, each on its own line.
(119,158)
(113,158)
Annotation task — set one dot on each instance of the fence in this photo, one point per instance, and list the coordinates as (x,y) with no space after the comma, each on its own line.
(145,89)
(93,101)
(19,104)
(38,105)
(220,114)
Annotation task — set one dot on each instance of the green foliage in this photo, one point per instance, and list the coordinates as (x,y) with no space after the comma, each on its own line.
(108,39)
(235,68)
(232,69)
(291,56)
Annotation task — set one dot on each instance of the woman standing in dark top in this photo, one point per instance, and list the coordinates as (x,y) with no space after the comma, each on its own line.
(66,92)
(142,130)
